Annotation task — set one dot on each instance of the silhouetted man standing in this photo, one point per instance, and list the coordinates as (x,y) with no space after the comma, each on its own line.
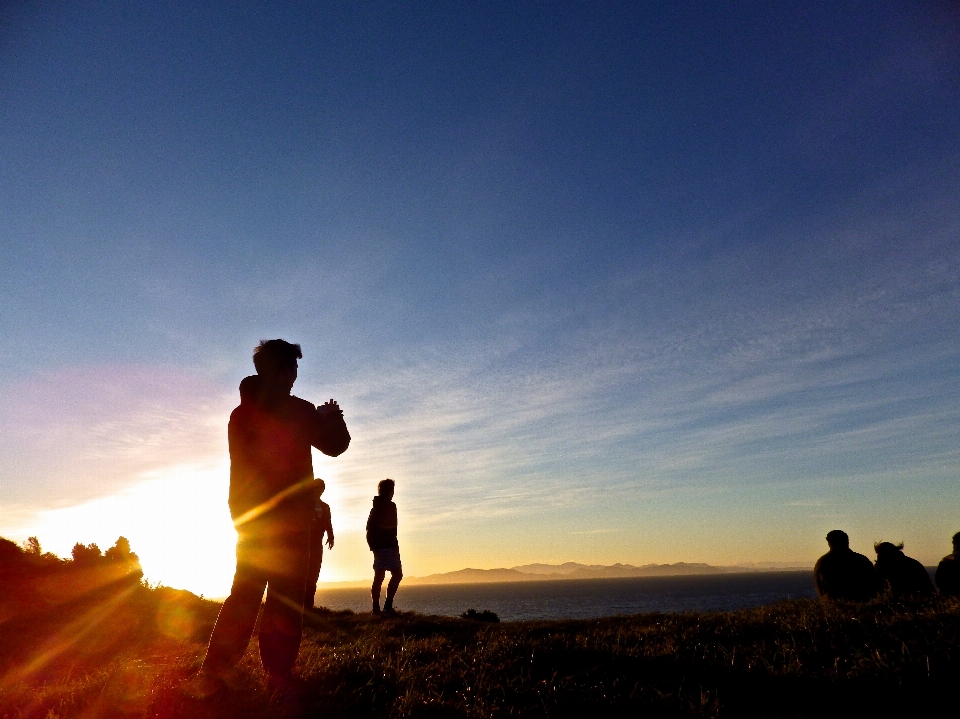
(320,524)
(842,573)
(382,540)
(271,472)
(948,571)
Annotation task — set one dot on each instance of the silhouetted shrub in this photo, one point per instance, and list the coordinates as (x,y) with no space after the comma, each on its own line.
(120,552)
(10,552)
(482,616)
(85,555)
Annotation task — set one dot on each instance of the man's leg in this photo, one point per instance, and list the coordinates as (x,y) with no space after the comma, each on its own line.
(395,577)
(378,575)
(282,621)
(236,620)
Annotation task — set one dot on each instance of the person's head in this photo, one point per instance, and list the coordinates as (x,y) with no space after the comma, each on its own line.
(250,388)
(318,486)
(385,488)
(838,539)
(956,543)
(276,362)
(887,549)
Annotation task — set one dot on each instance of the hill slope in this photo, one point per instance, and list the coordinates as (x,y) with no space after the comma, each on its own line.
(123,650)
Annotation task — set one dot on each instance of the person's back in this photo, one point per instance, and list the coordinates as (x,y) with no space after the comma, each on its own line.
(948,571)
(382,524)
(904,576)
(382,540)
(844,574)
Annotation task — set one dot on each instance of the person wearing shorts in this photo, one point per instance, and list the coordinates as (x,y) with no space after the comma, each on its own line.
(382,540)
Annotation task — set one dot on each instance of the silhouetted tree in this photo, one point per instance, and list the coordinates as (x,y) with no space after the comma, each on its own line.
(32,546)
(86,554)
(120,552)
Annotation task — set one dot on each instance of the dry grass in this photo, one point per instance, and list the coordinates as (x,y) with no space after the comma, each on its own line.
(788,660)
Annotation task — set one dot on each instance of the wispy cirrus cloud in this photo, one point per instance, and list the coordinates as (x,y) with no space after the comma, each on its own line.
(77,433)
(846,381)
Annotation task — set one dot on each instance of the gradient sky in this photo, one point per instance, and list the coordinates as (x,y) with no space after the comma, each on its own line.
(601,282)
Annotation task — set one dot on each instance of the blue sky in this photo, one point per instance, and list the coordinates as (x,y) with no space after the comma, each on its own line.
(593,282)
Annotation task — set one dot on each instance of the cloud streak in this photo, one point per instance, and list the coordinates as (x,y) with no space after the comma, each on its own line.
(78,433)
(852,381)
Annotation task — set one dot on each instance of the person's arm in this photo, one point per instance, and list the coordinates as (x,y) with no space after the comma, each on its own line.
(329,526)
(329,431)
(371,527)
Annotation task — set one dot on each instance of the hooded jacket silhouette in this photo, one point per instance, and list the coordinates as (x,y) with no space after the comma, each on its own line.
(270,441)
(382,525)
(271,469)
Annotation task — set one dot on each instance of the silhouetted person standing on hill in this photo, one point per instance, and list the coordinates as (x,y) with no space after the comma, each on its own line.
(902,575)
(320,524)
(948,571)
(271,471)
(382,540)
(841,573)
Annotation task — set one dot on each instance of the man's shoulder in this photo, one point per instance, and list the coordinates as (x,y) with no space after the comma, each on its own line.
(301,403)
(241,412)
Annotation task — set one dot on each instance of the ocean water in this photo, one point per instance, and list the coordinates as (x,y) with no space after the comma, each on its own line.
(589,598)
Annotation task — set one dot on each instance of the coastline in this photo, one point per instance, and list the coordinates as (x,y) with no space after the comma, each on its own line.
(503,575)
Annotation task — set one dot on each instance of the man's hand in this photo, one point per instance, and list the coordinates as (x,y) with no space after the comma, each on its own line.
(329,431)
(329,406)
(329,541)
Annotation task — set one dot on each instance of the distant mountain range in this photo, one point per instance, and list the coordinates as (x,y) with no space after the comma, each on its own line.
(573,570)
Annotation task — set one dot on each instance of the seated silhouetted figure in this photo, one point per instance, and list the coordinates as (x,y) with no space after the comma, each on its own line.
(948,571)
(902,575)
(841,573)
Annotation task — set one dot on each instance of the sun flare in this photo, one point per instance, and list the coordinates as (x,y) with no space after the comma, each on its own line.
(176,519)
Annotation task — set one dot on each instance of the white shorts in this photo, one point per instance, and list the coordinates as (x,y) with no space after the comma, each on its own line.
(387,560)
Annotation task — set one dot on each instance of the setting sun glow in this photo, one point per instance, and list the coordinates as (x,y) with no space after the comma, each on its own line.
(178,524)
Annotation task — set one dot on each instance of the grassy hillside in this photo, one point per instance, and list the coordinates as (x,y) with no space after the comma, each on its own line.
(120,651)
